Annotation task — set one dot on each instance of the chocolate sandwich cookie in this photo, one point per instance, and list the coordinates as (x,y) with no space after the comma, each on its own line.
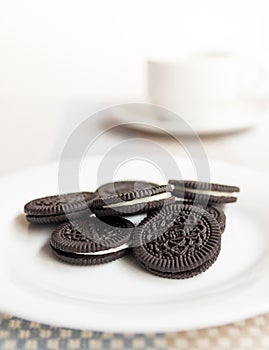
(92,241)
(118,187)
(58,208)
(133,202)
(179,242)
(203,192)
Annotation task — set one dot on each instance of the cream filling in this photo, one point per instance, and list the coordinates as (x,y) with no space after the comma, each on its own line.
(209,193)
(156,197)
(107,251)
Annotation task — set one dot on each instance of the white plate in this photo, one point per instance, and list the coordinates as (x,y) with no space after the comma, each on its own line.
(120,296)
(145,118)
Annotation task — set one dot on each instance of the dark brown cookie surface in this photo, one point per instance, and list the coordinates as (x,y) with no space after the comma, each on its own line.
(118,187)
(79,259)
(56,208)
(133,202)
(205,186)
(219,215)
(216,212)
(91,240)
(179,242)
(186,274)
(204,193)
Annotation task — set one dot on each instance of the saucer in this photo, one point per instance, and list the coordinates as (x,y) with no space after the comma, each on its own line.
(152,119)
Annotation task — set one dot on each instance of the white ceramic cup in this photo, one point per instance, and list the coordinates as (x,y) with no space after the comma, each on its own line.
(197,86)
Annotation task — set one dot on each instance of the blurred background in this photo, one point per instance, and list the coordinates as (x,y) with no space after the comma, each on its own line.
(63,60)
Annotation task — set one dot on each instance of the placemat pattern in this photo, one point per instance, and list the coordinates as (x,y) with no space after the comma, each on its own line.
(248,334)
(18,334)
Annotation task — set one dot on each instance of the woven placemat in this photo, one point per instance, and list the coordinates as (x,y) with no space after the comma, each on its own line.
(248,334)
(18,334)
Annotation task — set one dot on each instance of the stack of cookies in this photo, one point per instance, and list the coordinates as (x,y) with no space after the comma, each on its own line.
(178,235)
